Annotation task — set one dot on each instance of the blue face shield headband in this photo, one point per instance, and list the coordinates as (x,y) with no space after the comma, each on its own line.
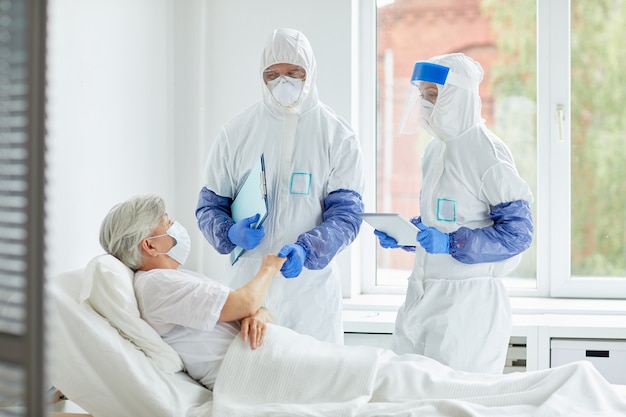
(438,74)
(414,106)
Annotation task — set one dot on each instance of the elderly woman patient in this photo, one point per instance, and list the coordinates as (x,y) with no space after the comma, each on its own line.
(268,366)
(198,317)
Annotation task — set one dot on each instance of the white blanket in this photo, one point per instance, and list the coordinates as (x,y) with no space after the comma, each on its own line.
(292,374)
(295,375)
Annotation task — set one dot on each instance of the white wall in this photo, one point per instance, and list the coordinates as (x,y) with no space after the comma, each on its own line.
(137,91)
(112,116)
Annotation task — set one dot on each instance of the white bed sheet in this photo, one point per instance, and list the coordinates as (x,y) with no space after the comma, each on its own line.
(293,374)
(104,373)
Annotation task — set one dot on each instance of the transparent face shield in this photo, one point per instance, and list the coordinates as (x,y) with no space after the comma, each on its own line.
(421,101)
(411,115)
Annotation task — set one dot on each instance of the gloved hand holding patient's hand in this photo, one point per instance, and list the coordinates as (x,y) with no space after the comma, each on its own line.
(273,262)
(385,240)
(432,240)
(242,234)
(296,255)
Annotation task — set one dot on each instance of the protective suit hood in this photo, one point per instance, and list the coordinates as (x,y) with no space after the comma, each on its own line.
(457,108)
(292,47)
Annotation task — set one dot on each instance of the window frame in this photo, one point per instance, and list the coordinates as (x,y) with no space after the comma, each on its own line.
(555,57)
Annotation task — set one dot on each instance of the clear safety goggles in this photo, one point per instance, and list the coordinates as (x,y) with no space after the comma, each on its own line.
(433,73)
(271,75)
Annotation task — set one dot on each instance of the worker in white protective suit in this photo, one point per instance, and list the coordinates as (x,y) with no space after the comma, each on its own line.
(313,168)
(475,221)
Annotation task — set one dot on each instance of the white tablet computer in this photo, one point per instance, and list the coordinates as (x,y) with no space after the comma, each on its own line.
(393,224)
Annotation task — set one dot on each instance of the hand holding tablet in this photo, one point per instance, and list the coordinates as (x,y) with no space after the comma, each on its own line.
(394,225)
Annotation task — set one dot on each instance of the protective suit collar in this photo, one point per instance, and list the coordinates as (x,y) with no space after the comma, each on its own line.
(457,108)
(292,47)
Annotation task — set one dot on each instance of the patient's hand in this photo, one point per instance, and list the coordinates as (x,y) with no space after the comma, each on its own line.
(255,326)
(272,262)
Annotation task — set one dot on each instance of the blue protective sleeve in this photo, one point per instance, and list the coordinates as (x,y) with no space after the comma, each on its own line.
(340,227)
(510,235)
(214,219)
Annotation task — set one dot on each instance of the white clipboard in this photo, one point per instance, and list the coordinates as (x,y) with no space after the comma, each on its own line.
(250,200)
(394,225)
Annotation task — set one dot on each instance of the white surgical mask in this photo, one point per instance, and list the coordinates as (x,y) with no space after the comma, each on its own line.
(182,243)
(286,90)
(426,112)
(427,109)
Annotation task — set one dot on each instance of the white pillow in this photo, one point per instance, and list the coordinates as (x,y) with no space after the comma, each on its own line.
(108,288)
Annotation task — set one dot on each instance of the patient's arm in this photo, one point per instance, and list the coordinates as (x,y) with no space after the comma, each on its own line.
(246,301)
(255,326)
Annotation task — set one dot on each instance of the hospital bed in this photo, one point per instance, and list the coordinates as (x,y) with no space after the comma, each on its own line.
(103,372)
(108,375)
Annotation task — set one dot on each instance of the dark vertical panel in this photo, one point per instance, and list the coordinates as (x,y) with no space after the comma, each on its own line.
(22,168)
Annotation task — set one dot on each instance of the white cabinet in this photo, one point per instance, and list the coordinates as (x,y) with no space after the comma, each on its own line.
(531,342)
(515,359)
(608,356)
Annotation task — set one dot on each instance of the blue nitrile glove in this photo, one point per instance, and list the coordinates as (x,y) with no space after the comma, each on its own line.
(385,240)
(295,255)
(242,234)
(432,240)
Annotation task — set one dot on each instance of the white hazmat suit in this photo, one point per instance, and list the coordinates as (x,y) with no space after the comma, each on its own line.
(313,165)
(475,220)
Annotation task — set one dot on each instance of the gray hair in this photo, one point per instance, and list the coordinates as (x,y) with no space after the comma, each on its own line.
(127,224)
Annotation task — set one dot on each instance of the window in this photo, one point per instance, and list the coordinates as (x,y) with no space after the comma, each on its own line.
(525,49)
(587,162)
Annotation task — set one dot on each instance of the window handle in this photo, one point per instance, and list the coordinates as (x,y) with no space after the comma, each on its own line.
(560,119)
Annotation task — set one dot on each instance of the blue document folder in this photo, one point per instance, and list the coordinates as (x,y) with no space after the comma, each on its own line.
(250,200)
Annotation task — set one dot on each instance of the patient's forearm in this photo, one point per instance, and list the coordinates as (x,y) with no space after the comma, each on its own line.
(246,301)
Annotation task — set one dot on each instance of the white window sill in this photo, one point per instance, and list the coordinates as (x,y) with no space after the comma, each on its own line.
(376,313)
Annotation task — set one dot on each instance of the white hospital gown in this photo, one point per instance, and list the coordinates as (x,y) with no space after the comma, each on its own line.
(184,308)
